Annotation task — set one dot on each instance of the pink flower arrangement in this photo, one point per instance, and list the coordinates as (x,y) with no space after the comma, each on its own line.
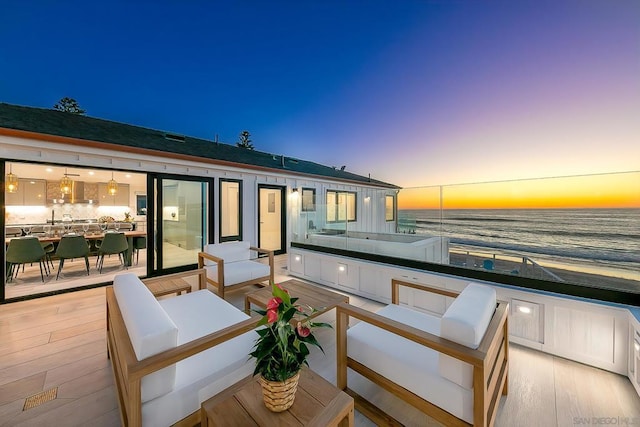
(281,349)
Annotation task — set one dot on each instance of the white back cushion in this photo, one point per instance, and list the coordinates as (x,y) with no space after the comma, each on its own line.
(150,329)
(228,251)
(465,322)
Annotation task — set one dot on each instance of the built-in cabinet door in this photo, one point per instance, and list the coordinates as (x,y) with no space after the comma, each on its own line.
(31,192)
(35,192)
(121,198)
(17,198)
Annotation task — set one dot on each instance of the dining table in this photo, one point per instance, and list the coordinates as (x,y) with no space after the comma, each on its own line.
(55,238)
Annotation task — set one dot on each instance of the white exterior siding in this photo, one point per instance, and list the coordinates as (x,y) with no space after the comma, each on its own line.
(14,148)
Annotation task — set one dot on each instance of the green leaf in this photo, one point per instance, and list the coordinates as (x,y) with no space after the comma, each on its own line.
(320,325)
(288,315)
(277,292)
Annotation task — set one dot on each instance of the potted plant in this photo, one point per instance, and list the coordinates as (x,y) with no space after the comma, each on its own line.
(282,347)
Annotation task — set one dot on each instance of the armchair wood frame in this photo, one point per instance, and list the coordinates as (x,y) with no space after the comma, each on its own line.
(219,283)
(128,371)
(490,361)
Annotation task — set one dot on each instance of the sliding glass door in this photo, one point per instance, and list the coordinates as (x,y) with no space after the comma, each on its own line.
(181,218)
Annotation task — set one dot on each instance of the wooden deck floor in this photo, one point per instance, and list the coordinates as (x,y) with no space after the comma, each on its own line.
(57,345)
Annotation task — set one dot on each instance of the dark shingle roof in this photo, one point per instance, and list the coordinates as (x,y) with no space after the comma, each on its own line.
(52,122)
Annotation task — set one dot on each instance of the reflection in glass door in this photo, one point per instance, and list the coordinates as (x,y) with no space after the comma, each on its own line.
(180,222)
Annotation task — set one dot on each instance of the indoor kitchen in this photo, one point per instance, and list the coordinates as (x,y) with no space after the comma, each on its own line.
(55,203)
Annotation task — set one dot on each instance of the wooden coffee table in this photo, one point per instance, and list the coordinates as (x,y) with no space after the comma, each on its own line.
(317,297)
(318,403)
(175,283)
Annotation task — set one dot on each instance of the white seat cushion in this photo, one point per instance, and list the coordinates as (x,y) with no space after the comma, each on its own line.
(239,271)
(150,329)
(465,322)
(207,373)
(411,365)
(228,251)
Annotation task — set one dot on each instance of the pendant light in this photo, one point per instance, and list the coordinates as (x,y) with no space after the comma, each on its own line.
(66,184)
(11,181)
(112,186)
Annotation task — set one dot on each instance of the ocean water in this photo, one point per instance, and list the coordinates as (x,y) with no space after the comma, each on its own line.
(602,238)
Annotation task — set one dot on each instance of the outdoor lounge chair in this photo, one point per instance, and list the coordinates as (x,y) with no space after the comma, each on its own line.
(454,368)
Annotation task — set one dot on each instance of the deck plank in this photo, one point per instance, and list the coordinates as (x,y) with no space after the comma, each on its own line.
(59,341)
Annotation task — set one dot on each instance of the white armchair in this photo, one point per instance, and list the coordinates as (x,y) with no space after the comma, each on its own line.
(230,265)
(453,368)
(170,355)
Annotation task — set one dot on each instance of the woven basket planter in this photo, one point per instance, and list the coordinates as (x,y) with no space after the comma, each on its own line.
(279,395)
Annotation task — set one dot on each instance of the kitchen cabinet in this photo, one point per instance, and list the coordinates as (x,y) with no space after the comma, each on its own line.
(31,192)
(121,198)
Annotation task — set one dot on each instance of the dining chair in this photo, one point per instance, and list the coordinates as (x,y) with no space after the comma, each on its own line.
(71,247)
(49,249)
(23,250)
(139,243)
(113,243)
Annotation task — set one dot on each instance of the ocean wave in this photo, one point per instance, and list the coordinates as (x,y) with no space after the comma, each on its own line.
(608,235)
(591,234)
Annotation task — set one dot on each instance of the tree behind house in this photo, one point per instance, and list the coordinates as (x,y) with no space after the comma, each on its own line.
(244,140)
(68,105)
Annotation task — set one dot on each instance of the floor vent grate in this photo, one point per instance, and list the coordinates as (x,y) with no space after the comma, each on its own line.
(40,398)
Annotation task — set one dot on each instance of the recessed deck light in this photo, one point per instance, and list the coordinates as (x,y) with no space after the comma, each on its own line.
(524,310)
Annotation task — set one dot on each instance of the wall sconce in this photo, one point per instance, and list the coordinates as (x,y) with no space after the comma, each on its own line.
(11,181)
(342,268)
(66,184)
(112,186)
(294,190)
(297,258)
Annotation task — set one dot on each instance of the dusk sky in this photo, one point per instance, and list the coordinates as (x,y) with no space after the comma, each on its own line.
(412,92)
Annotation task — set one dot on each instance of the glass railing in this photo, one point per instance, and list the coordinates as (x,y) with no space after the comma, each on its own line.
(581,230)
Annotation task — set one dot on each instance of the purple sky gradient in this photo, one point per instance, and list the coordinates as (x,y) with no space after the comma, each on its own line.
(412,92)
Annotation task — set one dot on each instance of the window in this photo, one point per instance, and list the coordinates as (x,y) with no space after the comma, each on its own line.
(308,200)
(389,208)
(230,210)
(341,206)
(141,204)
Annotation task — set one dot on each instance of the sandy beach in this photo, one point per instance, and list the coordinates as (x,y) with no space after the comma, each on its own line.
(507,266)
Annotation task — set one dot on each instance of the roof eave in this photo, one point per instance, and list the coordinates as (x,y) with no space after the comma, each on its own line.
(19,133)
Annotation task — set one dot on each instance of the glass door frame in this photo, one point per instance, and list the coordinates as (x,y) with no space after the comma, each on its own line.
(155,234)
(3,224)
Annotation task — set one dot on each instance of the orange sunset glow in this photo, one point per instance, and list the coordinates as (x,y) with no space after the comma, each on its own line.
(620,190)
